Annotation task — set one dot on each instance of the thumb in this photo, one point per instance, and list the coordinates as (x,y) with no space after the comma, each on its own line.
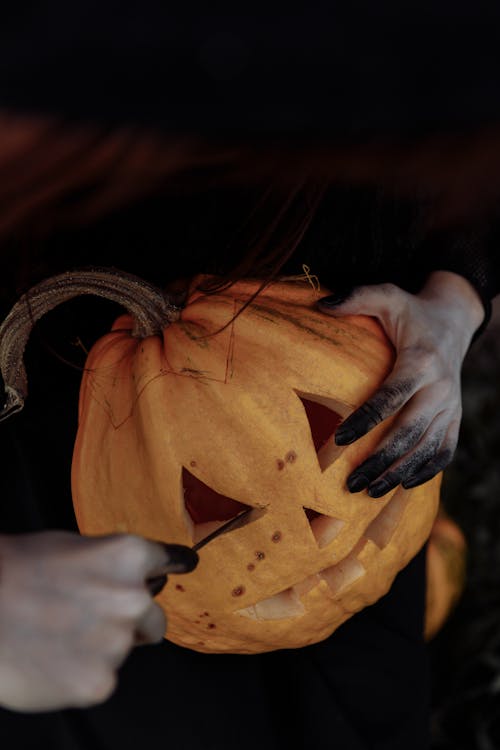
(177,558)
(344,301)
(372,299)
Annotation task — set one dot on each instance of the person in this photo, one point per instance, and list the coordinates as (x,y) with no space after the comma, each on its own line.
(73,609)
(393,231)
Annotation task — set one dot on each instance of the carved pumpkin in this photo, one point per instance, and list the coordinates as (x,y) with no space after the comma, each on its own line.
(180,432)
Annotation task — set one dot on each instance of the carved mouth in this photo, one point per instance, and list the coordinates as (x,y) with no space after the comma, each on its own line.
(340,576)
(288,603)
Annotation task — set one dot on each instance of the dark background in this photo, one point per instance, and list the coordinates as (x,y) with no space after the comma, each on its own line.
(466,653)
(363,69)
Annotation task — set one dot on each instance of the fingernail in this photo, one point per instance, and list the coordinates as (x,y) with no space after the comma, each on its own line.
(357,482)
(180,559)
(411,482)
(377,490)
(156,584)
(345,437)
(332,300)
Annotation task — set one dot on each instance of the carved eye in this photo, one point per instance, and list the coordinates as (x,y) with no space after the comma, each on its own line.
(324,417)
(206,508)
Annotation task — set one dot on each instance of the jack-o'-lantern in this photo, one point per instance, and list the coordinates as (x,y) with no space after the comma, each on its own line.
(181,430)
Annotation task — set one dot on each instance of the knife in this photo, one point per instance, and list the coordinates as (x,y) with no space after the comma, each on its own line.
(156,583)
(233,523)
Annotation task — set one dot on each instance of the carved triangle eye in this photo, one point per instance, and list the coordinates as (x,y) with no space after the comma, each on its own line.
(323,417)
(207,508)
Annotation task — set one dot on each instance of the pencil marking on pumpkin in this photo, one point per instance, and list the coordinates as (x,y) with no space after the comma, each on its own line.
(186,327)
(95,389)
(191,372)
(269,319)
(299,322)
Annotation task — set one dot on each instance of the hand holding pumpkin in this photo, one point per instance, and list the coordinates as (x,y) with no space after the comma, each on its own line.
(431,332)
(71,609)
(208,355)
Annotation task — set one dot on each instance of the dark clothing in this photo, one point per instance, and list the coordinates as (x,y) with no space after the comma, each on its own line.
(364,688)
(359,235)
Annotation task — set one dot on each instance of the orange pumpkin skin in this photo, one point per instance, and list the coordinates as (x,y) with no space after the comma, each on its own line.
(446,572)
(227,412)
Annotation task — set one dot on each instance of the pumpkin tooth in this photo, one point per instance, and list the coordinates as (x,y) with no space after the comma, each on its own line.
(304,587)
(343,574)
(383,526)
(277,607)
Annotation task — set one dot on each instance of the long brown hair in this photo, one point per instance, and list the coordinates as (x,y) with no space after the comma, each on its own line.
(55,175)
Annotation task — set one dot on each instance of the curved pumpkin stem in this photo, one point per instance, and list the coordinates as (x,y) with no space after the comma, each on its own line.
(150,308)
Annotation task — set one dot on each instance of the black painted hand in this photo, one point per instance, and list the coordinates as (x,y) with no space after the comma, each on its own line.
(431,332)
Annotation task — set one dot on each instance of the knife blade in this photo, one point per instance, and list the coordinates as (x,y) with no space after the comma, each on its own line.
(155,584)
(233,523)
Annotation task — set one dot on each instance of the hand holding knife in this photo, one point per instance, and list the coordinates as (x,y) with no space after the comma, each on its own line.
(184,559)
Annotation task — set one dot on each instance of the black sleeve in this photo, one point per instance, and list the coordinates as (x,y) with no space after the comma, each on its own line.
(471,253)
